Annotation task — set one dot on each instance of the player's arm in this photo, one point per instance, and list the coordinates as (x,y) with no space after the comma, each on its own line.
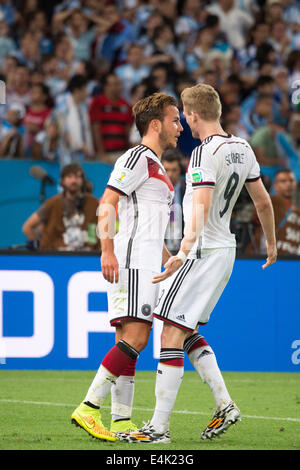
(166,255)
(106,230)
(201,205)
(264,208)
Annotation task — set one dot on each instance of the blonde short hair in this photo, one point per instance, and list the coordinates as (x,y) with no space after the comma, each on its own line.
(204,100)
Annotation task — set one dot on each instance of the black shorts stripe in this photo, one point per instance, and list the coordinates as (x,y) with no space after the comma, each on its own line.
(175,287)
(129,302)
(133,285)
(136,287)
(174,293)
(134,229)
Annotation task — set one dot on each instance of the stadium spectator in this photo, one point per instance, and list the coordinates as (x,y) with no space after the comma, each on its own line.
(19,91)
(231,90)
(50,145)
(29,52)
(161,79)
(260,114)
(172,162)
(280,40)
(293,66)
(68,219)
(7,45)
(12,132)
(91,71)
(287,216)
(154,19)
(71,111)
(113,35)
(38,110)
(162,49)
(188,23)
(267,151)
(289,144)
(9,11)
(111,119)
(246,56)
(264,85)
(75,23)
(233,122)
(133,71)
(274,11)
(64,53)
(56,81)
(233,21)
(196,57)
(37,25)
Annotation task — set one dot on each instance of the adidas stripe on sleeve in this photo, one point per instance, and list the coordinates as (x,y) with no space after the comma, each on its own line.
(130,171)
(202,168)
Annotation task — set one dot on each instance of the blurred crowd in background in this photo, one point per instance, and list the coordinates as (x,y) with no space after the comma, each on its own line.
(73,69)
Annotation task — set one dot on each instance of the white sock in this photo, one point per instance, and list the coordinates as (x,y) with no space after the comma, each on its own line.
(122,393)
(205,363)
(168,381)
(100,387)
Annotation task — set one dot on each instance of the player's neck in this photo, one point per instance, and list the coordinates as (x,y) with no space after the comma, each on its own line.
(154,146)
(208,130)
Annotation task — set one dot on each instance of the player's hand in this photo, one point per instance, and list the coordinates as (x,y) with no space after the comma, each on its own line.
(110,267)
(271,255)
(171,266)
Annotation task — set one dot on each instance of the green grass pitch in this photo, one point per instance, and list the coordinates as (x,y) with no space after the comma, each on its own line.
(35,410)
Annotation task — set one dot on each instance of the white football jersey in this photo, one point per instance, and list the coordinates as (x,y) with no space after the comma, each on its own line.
(143,209)
(224,163)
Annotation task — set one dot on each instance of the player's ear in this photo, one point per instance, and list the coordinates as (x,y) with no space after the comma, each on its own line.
(194,116)
(156,125)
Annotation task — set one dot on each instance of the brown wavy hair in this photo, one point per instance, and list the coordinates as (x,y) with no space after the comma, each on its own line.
(151,107)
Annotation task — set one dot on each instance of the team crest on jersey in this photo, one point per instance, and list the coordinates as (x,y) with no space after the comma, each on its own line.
(123,177)
(197,177)
(146,310)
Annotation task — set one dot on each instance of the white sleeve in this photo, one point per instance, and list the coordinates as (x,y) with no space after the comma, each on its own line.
(202,168)
(254,171)
(125,180)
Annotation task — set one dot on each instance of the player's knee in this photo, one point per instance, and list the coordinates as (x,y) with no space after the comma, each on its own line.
(172,337)
(136,334)
(138,342)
